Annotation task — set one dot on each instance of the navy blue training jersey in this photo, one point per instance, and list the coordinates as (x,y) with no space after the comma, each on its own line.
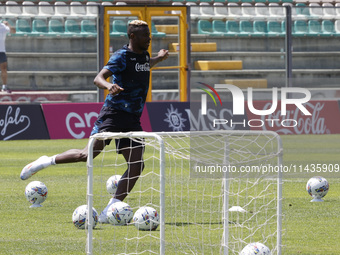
(131,71)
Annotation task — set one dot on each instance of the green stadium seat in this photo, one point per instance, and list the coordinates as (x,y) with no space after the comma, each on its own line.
(302,9)
(327,28)
(260,28)
(246,28)
(232,27)
(314,28)
(39,27)
(72,27)
(219,27)
(88,27)
(246,1)
(204,27)
(274,28)
(55,27)
(300,28)
(119,28)
(23,27)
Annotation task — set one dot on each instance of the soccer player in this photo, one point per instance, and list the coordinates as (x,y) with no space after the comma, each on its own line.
(5,28)
(121,112)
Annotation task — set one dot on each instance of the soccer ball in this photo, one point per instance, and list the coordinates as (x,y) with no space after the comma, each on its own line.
(119,213)
(112,184)
(36,193)
(79,217)
(146,218)
(255,249)
(317,187)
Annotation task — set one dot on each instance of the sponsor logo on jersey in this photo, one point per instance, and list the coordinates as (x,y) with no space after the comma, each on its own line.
(142,67)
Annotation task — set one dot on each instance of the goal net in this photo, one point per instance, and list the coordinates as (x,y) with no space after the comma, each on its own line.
(215,193)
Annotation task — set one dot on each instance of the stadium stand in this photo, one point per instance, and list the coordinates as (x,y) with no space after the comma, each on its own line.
(45,10)
(218,65)
(261,11)
(220,11)
(39,27)
(72,27)
(314,28)
(234,11)
(328,11)
(276,12)
(88,27)
(219,27)
(337,27)
(29,10)
(206,11)
(300,28)
(254,26)
(55,27)
(274,28)
(315,11)
(232,27)
(327,28)
(23,27)
(248,11)
(246,28)
(260,28)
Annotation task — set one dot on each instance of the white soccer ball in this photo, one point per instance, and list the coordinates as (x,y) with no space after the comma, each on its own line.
(256,249)
(119,213)
(112,184)
(317,187)
(80,214)
(146,218)
(36,193)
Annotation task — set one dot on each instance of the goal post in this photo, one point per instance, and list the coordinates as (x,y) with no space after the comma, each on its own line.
(200,212)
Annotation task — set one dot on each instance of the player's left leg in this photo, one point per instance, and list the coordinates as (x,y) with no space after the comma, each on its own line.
(135,163)
(70,156)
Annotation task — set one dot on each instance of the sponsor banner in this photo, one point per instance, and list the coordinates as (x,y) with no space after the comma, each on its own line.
(216,117)
(324,118)
(22,122)
(169,116)
(76,120)
(185,116)
(71,121)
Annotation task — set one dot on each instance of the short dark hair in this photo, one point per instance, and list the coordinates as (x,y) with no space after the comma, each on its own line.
(135,26)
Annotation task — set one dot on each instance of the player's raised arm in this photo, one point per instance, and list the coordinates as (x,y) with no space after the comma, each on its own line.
(101,82)
(162,55)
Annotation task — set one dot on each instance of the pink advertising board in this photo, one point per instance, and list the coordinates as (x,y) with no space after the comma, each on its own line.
(70,121)
(75,121)
(324,118)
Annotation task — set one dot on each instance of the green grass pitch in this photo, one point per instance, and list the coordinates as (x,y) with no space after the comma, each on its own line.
(310,228)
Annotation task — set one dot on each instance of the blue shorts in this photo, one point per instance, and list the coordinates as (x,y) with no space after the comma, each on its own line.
(3,57)
(111,120)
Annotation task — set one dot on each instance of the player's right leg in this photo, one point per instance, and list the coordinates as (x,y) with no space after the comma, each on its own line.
(70,156)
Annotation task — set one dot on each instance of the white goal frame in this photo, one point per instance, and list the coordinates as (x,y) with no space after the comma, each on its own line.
(157,136)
